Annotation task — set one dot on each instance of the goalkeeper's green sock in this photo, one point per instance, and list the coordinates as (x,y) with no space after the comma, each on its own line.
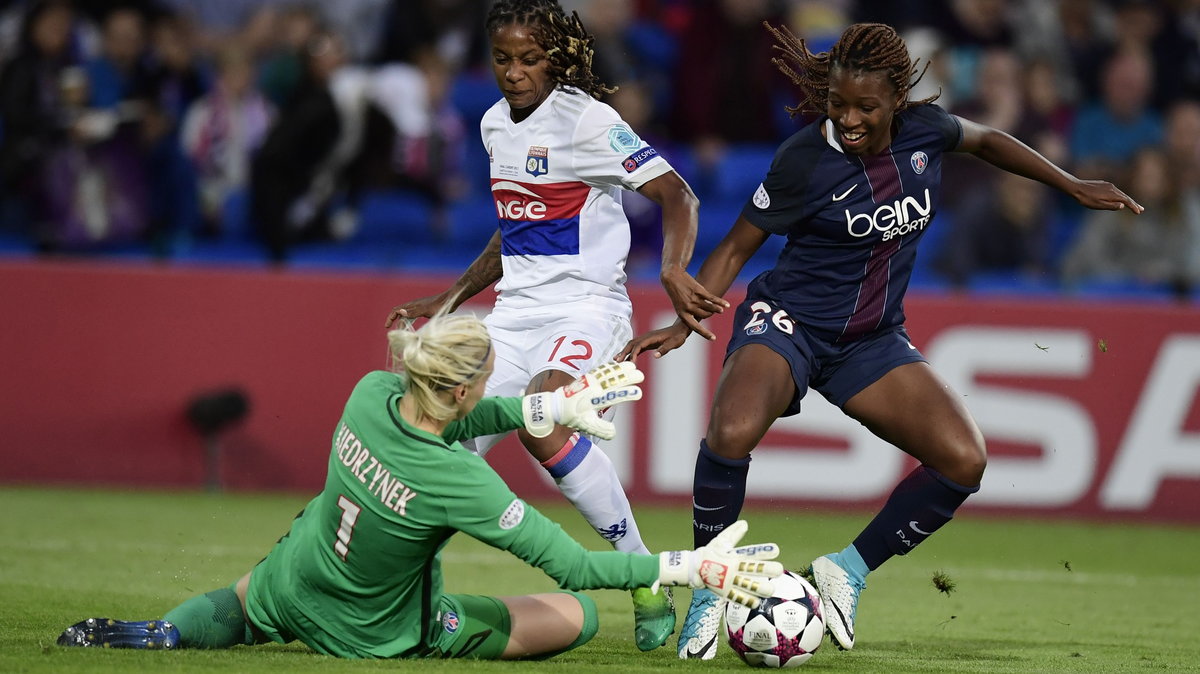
(591,625)
(211,620)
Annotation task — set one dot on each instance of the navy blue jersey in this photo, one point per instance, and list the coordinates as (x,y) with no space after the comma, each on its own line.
(852,222)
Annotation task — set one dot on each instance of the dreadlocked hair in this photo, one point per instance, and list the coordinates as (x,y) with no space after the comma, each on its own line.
(567,43)
(862,46)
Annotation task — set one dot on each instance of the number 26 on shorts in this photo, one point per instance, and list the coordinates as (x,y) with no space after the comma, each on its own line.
(568,352)
(758,319)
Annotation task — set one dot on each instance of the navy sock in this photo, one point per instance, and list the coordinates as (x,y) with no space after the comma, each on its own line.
(718,492)
(922,502)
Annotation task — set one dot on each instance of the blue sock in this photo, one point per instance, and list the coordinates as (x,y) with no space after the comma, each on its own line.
(851,560)
(569,457)
(718,492)
(922,502)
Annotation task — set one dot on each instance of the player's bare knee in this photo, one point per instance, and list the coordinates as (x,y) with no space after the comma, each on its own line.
(975,458)
(975,463)
(545,448)
(966,464)
(731,441)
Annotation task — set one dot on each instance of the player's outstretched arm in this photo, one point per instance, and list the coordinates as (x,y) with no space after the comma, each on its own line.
(691,301)
(717,273)
(483,272)
(680,208)
(1103,196)
(659,341)
(1004,151)
(738,574)
(579,403)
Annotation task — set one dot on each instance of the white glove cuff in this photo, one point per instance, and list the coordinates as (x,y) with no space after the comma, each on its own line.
(675,567)
(539,412)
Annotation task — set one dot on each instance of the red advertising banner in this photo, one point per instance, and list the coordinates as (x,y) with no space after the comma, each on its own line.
(1090,409)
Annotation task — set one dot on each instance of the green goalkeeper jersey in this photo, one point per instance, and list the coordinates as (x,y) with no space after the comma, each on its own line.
(359,574)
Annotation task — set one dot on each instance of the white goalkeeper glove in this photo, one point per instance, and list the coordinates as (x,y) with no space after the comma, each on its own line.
(578,404)
(736,574)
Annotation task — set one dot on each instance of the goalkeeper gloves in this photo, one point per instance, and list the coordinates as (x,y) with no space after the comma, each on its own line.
(578,404)
(733,573)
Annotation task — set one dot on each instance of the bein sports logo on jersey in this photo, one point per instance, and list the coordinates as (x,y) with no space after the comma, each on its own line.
(897,218)
(614,533)
(537,162)
(919,161)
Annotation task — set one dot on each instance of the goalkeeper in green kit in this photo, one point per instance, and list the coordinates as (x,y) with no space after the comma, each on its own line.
(359,573)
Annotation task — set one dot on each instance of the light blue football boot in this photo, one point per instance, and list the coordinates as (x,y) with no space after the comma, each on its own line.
(839,590)
(702,626)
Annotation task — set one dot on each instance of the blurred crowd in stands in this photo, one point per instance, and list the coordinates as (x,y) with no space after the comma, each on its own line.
(346,133)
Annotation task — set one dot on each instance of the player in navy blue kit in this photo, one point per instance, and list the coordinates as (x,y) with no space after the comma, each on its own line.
(853,192)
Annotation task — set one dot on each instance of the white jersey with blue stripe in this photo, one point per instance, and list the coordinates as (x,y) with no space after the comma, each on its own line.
(556,179)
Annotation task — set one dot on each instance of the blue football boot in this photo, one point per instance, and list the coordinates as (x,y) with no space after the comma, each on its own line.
(109,633)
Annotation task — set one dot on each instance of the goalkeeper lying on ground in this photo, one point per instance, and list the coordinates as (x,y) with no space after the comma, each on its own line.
(359,574)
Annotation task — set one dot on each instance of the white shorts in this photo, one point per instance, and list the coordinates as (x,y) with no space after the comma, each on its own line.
(529,343)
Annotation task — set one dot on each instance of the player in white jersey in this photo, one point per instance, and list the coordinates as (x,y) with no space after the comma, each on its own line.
(560,160)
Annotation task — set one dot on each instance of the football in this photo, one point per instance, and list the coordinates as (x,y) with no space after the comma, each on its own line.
(784,631)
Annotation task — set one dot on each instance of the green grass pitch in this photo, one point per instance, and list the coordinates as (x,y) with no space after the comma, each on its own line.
(1030,596)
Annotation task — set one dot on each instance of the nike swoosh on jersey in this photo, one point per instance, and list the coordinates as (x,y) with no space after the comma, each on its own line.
(843,195)
(913,524)
(697,506)
(910,345)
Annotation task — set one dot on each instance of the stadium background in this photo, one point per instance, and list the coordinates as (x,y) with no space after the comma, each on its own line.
(1086,386)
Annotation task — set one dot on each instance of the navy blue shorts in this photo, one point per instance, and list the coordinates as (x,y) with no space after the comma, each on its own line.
(837,370)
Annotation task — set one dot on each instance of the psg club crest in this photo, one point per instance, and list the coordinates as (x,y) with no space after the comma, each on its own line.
(450,622)
(919,161)
(538,161)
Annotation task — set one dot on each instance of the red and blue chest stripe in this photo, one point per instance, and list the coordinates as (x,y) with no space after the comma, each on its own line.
(539,218)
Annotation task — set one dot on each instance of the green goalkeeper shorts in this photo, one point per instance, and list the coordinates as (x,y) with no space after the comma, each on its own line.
(470,626)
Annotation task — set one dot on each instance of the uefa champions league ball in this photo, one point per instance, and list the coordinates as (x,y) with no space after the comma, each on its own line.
(784,631)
